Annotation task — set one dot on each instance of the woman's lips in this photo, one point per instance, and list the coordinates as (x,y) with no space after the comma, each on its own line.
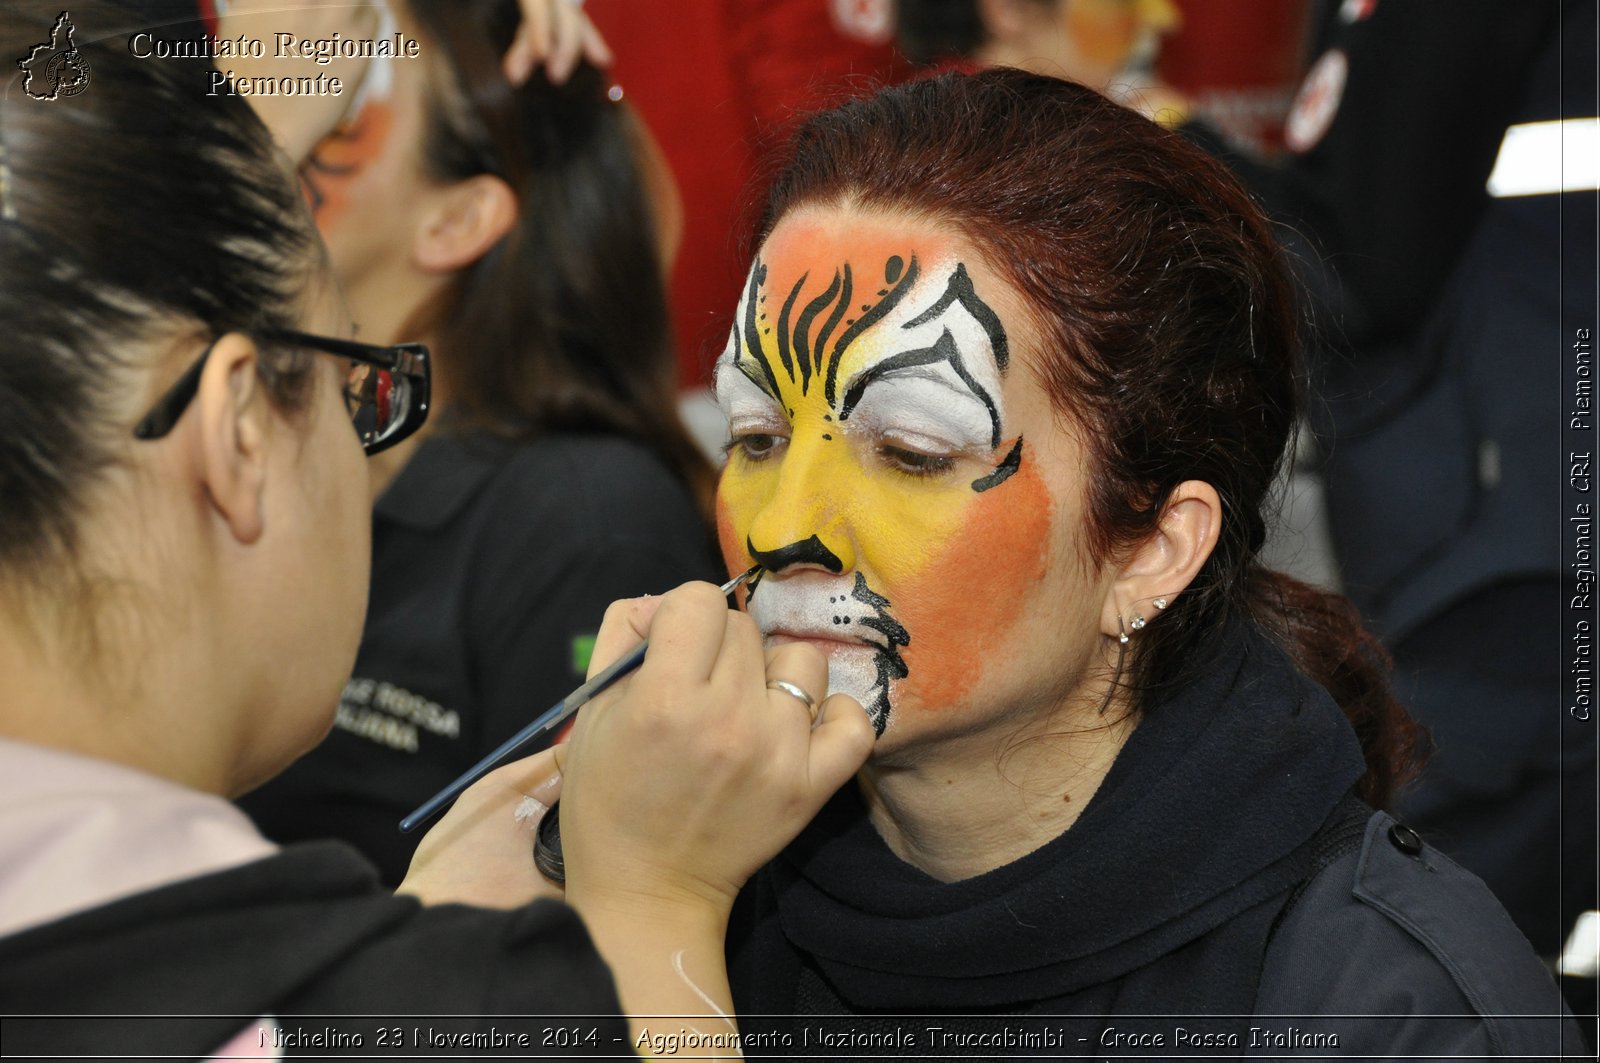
(824,642)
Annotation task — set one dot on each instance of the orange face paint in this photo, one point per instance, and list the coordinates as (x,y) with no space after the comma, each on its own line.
(1104,31)
(961,611)
(336,163)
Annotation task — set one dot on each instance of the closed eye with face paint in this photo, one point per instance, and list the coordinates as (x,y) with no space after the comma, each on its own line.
(883,470)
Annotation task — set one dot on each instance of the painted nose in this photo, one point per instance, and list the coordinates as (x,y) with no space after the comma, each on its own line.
(799,525)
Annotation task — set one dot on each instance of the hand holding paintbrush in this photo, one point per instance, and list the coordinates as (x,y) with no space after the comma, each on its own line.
(677,785)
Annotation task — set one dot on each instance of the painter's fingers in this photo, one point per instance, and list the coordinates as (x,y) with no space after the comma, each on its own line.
(626,624)
(797,673)
(687,634)
(841,741)
(480,851)
(537,800)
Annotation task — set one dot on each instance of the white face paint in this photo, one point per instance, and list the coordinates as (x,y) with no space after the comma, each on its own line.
(821,608)
(925,409)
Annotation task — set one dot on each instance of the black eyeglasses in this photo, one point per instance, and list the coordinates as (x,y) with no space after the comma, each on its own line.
(386,394)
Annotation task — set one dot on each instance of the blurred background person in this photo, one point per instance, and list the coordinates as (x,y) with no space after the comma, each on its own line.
(524,233)
(1108,45)
(1456,266)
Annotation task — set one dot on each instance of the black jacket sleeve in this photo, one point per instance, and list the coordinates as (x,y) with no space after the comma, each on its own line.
(1397,951)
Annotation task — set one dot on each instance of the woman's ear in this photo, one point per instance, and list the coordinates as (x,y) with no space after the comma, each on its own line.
(1165,563)
(230,446)
(464,221)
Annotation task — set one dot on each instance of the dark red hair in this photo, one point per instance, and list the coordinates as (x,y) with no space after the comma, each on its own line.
(1169,329)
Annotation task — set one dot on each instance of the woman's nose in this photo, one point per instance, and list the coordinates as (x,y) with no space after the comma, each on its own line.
(800,523)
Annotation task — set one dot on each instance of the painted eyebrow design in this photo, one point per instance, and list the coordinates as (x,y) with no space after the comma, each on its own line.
(802,355)
(958,291)
(943,350)
(764,381)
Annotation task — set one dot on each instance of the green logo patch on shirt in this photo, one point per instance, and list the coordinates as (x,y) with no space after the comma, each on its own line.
(582,651)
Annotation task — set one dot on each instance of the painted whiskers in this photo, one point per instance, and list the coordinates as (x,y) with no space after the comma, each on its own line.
(847,611)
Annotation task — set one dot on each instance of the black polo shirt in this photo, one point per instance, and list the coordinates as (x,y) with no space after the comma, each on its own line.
(493,564)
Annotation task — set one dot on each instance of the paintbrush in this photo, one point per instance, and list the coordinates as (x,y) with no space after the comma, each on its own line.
(549,720)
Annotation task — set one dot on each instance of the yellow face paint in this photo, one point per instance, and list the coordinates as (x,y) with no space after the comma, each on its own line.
(872,470)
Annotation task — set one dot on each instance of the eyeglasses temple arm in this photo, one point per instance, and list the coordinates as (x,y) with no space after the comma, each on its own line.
(159,421)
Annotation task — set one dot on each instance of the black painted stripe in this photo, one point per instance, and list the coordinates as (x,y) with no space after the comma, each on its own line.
(959,290)
(819,349)
(752,335)
(1002,472)
(866,321)
(802,329)
(783,329)
(942,350)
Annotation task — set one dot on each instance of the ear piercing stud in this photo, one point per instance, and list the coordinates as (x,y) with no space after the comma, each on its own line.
(1160,603)
(1137,623)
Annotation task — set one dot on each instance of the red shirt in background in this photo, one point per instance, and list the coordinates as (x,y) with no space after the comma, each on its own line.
(719,81)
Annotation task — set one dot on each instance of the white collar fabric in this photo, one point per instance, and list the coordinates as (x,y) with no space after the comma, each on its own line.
(77,833)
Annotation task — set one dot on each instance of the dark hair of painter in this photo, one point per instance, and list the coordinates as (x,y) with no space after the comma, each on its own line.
(135,212)
(1169,330)
(563,325)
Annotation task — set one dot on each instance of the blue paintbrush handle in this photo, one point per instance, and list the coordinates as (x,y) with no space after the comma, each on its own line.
(550,719)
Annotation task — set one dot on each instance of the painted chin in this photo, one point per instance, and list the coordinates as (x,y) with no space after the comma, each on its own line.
(854,670)
(835,615)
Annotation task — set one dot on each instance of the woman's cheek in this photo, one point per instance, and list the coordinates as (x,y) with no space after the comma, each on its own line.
(965,601)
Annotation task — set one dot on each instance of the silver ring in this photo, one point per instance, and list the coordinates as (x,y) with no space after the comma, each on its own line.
(794,690)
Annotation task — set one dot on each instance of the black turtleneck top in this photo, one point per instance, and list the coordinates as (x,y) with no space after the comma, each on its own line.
(1152,914)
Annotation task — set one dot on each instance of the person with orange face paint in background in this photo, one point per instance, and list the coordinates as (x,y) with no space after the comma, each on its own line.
(1108,45)
(524,232)
(1008,384)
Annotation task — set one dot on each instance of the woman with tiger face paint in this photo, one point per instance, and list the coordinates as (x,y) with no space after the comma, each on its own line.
(880,467)
(1008,383)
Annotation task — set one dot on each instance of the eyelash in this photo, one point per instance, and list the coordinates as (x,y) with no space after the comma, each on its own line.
(742,444)
(915,463)
(763,446)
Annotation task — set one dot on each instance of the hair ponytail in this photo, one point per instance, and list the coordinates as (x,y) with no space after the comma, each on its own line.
(1324,635)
